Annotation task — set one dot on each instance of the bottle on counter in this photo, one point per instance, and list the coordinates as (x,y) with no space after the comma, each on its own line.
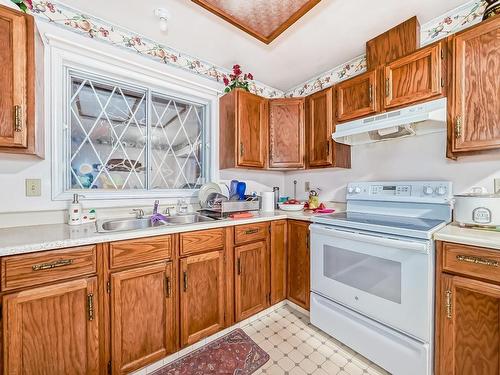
(75,211)
(276,191)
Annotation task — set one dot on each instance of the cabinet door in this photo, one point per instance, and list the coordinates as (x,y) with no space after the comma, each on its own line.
(202,296)
(278,261)
(142,316)
(16,52)
(298,263)
(286,133)
(469,327)
(474,103)
(357,97)
(414,78)
(52,329)
(252,135)
(320,129)
(251,288)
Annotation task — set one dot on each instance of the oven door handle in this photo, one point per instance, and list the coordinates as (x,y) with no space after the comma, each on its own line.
(421,247)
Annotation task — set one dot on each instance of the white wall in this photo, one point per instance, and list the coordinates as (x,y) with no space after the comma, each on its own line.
(413,158)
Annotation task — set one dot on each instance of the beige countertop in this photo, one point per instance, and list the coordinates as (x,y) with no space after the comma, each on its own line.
(27,239)
(469,236)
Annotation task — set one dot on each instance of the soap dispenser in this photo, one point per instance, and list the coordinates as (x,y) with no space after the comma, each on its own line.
(75,211)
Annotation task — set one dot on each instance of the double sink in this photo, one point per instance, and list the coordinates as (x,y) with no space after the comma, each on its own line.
(116,225)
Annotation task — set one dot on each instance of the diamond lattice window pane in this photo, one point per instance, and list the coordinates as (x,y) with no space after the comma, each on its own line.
(108,131)
(176,152)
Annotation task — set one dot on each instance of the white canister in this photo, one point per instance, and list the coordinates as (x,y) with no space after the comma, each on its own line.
(267,201)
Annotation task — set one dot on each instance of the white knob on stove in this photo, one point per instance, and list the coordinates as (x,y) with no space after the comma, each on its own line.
(357,190)
(350,190)
(428,190)
(441,190)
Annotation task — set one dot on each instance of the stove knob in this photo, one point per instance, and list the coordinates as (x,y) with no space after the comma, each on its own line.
(428,190)
(441,190)
(357,190)
(350,190)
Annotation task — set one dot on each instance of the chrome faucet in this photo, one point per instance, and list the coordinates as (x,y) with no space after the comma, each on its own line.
(139,213)
(155,206)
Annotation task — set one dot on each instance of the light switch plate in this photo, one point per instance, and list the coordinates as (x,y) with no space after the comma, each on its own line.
(497,185)
(307,186)
(33,187)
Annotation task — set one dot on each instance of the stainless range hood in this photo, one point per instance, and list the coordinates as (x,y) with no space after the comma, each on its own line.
(419,119)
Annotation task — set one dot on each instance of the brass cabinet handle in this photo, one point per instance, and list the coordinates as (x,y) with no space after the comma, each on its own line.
(458,127)
(449,305)
(328,147)
(90,306)
(251,231)
(387,87)
(18,118)
(185,281)
(241,149)
(48,266)
(168,287)
(370,93)
(477,260)
(238,266)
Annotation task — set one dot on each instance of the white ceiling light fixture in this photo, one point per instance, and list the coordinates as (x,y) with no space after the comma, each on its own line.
(164,15)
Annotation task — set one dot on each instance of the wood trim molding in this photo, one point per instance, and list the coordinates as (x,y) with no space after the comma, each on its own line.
(263,38)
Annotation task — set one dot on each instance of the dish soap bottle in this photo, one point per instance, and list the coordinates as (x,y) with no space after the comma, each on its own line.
(313,199)
(75,211)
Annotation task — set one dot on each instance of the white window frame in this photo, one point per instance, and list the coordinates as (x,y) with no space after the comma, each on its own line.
(62,57)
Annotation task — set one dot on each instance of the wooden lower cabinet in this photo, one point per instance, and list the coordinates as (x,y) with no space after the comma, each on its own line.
(251,288)
(278,252)
(52,329)
(298,263)
(142,316)
(202,290)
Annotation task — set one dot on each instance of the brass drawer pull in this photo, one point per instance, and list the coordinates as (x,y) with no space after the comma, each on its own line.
(370,93)
(387,87)
(477,260)
(458,127)
(18,118)
(449,306)
(251,231)
(241,149)
(185,281)
(168,287)
(48,266)
(90,306)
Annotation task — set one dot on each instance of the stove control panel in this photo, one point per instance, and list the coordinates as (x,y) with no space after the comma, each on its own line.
(437,191)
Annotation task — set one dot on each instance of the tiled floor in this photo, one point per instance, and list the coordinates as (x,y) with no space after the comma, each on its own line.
(297,348)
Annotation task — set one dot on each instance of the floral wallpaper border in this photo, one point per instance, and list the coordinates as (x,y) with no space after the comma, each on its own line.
(438,28)
(95,28)
(98,29)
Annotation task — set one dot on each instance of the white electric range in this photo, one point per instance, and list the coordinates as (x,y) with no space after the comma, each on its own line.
(372,271)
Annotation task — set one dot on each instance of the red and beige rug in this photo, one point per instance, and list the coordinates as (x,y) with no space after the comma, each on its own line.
(232,354)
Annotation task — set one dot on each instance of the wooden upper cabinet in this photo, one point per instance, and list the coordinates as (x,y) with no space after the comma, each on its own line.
(298,263)
(286,133)
(356,97)
(278,252)
(320,128)
(469,327)
(17,82)
(474,97)
(52,329)
(243,130)
(142,316)
(322,151)
(415,78)
(251,281)
(202,285)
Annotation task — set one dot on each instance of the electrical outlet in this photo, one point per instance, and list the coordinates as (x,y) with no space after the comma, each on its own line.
(307,186)
(497,185)
(33,187)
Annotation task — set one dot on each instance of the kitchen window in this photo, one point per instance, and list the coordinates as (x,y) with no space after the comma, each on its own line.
(126,139)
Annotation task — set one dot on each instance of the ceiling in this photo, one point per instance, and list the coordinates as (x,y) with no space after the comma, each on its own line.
(331,33)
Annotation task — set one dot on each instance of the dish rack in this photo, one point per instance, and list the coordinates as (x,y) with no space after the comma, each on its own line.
(224,206)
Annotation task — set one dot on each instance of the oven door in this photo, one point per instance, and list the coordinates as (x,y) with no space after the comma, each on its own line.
(388,279)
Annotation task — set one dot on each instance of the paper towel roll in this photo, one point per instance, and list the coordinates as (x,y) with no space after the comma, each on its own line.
(267,199)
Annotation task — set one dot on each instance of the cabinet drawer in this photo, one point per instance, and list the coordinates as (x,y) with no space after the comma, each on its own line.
(250,232)
(201,241)
(472,261)
(139,251)
(20,271)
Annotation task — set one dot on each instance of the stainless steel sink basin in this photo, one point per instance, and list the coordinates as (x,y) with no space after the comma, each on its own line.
(187,219)
(116,225)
